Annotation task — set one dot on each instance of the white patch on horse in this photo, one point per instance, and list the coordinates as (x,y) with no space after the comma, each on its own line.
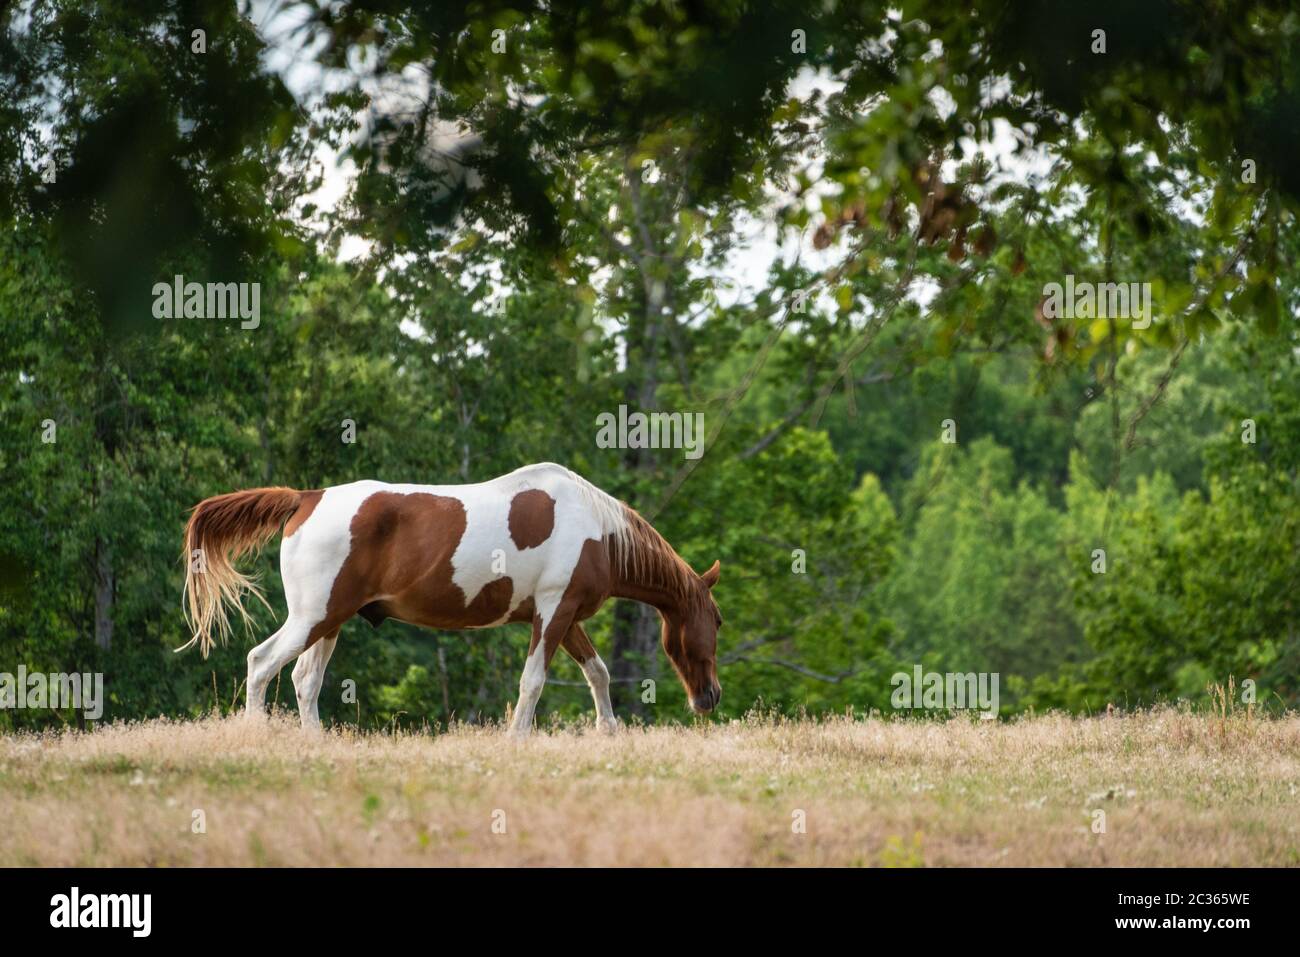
(597,676)
(542,572)
(311,559)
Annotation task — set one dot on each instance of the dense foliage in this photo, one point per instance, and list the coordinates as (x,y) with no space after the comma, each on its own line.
(830,229)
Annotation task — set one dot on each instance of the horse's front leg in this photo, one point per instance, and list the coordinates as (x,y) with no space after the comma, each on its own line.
(547,634)
(580,649)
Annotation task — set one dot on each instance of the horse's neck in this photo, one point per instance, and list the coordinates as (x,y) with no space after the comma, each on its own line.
(641,582)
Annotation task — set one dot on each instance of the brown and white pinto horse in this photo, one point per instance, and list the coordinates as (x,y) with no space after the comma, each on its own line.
(540,544)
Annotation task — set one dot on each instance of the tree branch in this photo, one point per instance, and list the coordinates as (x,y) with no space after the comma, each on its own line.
(1150,401)
(792,666)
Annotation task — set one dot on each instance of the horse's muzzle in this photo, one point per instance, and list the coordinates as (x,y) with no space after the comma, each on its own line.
(706,701)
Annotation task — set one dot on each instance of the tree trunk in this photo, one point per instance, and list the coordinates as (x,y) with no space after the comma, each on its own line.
(105,582)
(634,656)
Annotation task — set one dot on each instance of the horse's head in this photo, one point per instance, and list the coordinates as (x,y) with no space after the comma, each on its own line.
(690,638)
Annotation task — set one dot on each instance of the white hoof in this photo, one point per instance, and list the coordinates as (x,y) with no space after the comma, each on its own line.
(608,725)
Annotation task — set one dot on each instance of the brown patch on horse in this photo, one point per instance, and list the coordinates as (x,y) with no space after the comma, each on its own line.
(525,612)
(307,503)
(592,579)
(532,518)
(588,588)
(578,644)
(402,545)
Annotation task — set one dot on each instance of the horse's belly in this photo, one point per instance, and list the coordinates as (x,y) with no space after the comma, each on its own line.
(437,607)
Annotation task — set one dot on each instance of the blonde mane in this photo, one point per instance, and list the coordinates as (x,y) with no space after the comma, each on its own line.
(643,555)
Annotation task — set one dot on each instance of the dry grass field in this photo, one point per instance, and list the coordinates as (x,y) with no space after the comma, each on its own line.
(1177,789)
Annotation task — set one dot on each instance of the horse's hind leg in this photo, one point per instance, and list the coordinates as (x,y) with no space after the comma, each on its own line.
(308,675)
(581,650)
(266,660)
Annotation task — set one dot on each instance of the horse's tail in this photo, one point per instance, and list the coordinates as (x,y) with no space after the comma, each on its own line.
(220,530)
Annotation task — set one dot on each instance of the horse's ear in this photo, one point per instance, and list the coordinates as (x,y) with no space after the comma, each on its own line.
(710,577)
